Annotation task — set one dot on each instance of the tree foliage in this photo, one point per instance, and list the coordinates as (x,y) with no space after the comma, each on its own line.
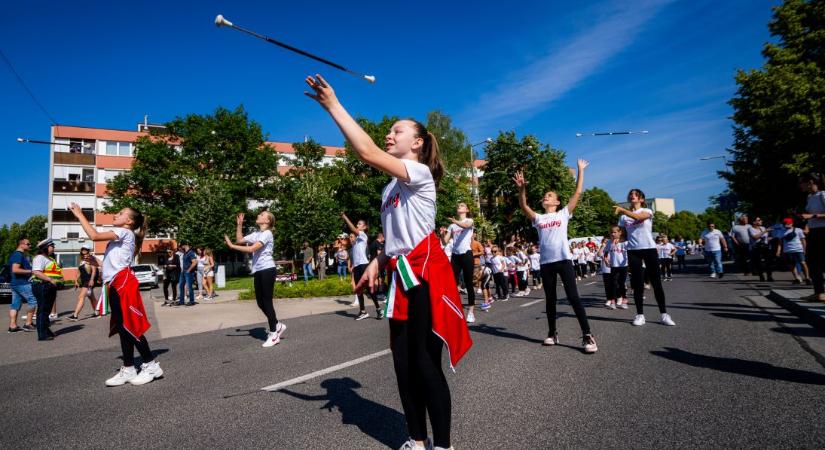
(778,111)
(594,215)
(34,229)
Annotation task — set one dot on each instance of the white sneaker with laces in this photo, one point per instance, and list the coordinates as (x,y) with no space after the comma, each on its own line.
(471,318)
(589,343)
(361,316)
(639,320)
(274,337)
(148,372)
(123,376)
(667,320)
(552,340)
(412,445)
(623,303)
(607,304)
(52,317)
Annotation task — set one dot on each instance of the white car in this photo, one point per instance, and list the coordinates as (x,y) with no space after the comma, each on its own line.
(147,275)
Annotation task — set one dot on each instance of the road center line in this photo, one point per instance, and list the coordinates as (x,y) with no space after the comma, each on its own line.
(321,372)
(588,284)
(532,303)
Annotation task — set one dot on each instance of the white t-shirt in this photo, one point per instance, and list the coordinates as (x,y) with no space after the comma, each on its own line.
(816,205)
(462,237)
(791,241)
(523,263)
(713,240)
(639,232)
(617,253)
(359,250)
(499,264)
(552,229)
(261,258)
(408,209)
(40,262)
(535,261)
(665,250)
(119,254)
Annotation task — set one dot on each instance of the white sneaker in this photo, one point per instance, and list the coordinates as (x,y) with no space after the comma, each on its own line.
(623,303)
(471,318)
(527,292)
(148,372)
(607,304)
(412,445)
(639,320)
(667,320)
(123,376)
(589,343)
(274,337)
(552,340)
(478,291)
(52,317)
(713,275)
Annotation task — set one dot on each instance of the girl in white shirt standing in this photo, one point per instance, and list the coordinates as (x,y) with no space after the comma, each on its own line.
(460,234)
(615,254)
(641,248)
(128,314)
(423,305)
(535,266)
(555,254)
(260,244)
(359,265)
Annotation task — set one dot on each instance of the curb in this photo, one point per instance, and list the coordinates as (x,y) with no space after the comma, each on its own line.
(811,312)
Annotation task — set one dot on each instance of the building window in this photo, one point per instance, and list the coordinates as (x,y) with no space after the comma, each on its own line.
(68,260)
(118,148)
(72,235)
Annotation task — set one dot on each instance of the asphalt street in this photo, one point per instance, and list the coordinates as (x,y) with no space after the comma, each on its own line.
(735,372)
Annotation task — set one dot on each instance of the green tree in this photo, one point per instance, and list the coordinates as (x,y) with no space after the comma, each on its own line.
(544,170)
(223,152)
(34,229)
(207,216)
(594,214)
(778,111)
(685,224)
(661,223)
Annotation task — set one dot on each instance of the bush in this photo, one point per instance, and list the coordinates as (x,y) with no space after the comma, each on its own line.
(299,289)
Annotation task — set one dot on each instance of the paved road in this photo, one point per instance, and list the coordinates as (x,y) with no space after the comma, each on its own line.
(736,371)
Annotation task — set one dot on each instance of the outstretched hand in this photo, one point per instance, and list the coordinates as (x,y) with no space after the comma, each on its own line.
(323,92)
(369,279)
(76,210)
(582,163)
(228,242)
(239,219)
(518,178)
(618,210)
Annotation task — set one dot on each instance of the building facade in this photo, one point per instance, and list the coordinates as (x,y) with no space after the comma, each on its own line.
(82,162)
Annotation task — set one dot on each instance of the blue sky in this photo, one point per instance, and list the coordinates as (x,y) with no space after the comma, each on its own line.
(548,68)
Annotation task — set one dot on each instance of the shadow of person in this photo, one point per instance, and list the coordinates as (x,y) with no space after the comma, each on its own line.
(741,366)
(377,421)
(69,329)
(258,333)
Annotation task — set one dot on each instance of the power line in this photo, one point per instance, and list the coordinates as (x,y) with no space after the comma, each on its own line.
(28,91)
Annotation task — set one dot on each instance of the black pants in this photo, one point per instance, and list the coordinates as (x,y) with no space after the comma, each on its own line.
(666,265)
(128,343)
(357,273)
(680,262)
(582,270)
(501,284)
(816,257)
(743,257)
(565,270)
(638,275)
(618,276)
(536,274)
(463,265)
(264,282)
(521,277)
(416,355)
(609,287)
(171,279)
(45,293)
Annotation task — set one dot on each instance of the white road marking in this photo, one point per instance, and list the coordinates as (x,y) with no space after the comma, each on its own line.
(322,372)
(588,284)
(532,303)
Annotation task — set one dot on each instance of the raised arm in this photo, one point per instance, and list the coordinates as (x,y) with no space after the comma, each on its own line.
(518,179)
(464,223)
(349,223)
(636,216)
(88,228)
(574,199)
(239,229)
(241,248)
(360,141)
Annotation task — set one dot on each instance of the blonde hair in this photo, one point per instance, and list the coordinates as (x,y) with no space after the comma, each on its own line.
(271,219)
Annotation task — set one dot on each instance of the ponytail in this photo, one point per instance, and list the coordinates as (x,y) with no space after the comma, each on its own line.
(139,224)
(429,154)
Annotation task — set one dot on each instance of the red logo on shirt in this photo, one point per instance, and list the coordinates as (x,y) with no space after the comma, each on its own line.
(392,201)
(550,224)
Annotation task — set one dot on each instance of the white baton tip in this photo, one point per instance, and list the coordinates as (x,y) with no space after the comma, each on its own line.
(370,78)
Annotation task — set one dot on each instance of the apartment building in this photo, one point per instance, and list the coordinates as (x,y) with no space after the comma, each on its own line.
(83,160)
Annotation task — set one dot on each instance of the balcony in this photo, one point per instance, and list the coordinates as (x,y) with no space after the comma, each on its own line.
(74,159)
(82,187)
(64,215)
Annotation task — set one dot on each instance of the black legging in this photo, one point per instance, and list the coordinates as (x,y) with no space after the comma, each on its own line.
(264,282)
(680,262)
(816,257)
(563,268)
(128,343)
(609,287)
(666,267)
(639,274)
(618,275)
(463,263)
(45,293)
(357,272)
(171,279)
(501,285)
(416,355)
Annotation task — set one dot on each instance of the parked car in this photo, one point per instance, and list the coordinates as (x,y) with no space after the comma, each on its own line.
(5,284)
(148,275)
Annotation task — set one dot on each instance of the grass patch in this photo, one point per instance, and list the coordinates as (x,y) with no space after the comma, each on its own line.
(314,288)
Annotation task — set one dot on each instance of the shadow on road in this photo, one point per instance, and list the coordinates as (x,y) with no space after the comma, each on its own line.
(377,421)
(69,329)
(499,331)
(258,333)
(741,366)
